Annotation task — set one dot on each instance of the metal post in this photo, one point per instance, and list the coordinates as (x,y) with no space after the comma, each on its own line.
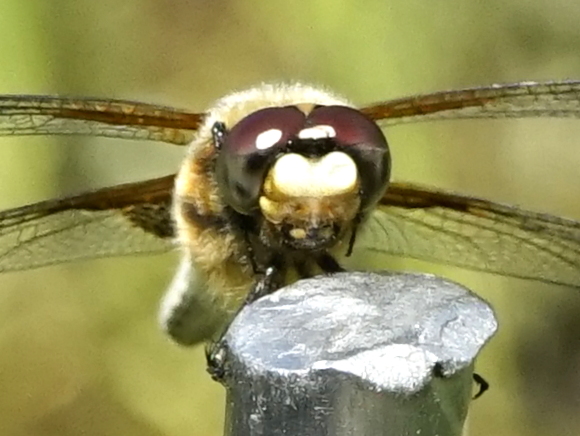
(360,354)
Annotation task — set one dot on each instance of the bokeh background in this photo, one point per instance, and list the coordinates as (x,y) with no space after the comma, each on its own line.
(80,352)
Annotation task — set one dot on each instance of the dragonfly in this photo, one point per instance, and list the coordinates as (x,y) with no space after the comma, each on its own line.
(407,220)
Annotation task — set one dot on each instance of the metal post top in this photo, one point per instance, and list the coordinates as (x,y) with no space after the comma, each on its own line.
(348,321)
(356,353)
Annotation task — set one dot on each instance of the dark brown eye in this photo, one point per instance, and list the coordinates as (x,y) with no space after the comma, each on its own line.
(264,129)
(361,138)
(350,125)
(247,149)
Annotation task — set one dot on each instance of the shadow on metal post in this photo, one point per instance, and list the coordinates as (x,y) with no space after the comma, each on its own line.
(356,354)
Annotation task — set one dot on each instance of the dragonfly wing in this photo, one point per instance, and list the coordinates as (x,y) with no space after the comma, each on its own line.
(38,115)
(518,100)
(126,219)
(476,234)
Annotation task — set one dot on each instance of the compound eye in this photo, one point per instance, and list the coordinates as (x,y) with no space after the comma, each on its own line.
(263,130)
(363,140)
(351,127)
(247,150)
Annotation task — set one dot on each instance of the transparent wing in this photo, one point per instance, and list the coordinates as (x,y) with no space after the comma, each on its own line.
(43,115)
(38,115)
(447,228)
(411,221)
(126,219)
(518,100)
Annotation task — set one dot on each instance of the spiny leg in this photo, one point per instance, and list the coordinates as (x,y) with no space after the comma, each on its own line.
(352,238)
(328,264)
(483,385)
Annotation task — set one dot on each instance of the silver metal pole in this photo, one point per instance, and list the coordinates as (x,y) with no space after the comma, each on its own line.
(360,354)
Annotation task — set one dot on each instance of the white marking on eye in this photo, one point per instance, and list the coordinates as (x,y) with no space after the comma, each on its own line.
(268,138)
(317,132)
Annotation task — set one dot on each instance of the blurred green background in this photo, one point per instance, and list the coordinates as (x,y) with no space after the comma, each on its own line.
(80,352)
